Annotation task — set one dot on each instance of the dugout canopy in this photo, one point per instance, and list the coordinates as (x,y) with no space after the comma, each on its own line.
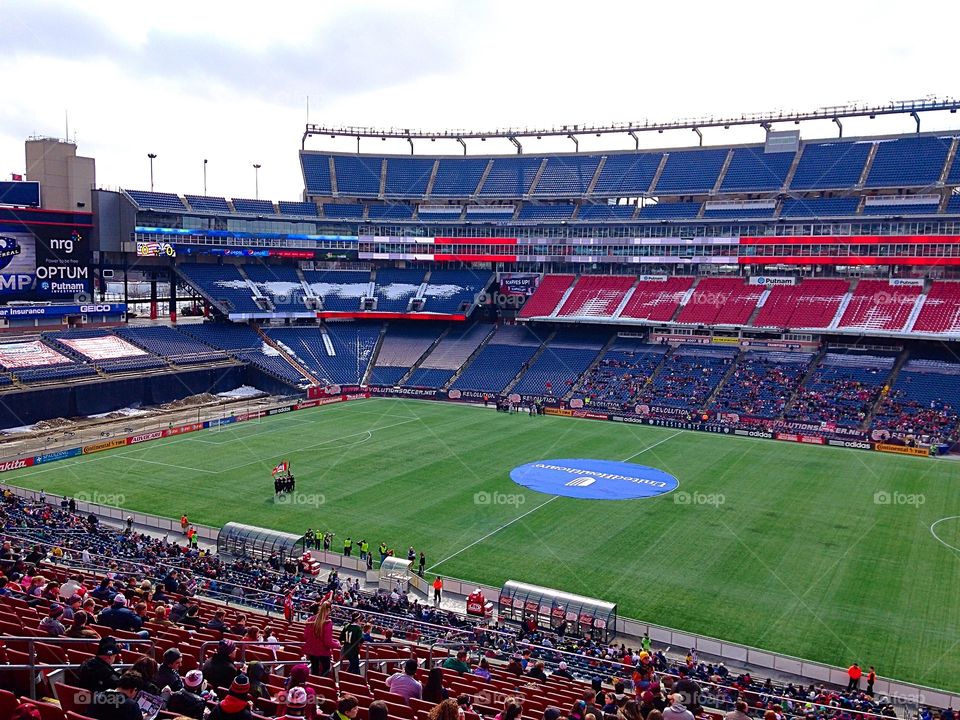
(250,541)
(551,608)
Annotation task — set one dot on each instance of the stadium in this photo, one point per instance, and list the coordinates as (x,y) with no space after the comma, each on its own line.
(662,420)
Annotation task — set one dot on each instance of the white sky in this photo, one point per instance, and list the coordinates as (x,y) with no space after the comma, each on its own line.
(229,81)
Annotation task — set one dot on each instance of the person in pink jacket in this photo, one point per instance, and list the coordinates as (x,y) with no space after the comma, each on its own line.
(318,640)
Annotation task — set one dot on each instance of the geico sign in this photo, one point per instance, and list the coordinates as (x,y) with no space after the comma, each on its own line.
(94,308)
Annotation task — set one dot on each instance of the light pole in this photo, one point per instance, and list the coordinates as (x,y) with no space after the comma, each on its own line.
(256,180)
(152,157)
(204,177)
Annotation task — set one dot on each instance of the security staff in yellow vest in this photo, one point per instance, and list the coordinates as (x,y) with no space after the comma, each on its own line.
(347,547)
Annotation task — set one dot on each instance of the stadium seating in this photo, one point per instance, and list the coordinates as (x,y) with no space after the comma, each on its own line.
(751,169)
(819,207)
(170,343)
(762,383)
(357,175)
(246,206)
(451,291)
(440,213)
(809,304)
(501,359)
(244,344)
(340,290)
(510,177)
(567,175)
(316,173)
(923,403)
(670,211)
(908,161)
(280,283)
(547,295)
(941,309)
(458,178)
(561,363)
(343,211)
(295,207)
(147,200)
(691,171)
(841,390)
(488,214)
(395,288)
(223,284)
(902,208)
(655,300)
(739,211)
(353,345)
(453,351)
(720,301)
(408,177)
(876,305)
(545,213)
(606,213)
(687,378)
(622,372)
(203,203)
(828,166)
(596,296)
(429,377)
(389,211)
(403,345)
(627,174)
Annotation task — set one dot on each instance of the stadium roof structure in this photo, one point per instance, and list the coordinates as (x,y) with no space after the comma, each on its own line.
(249,541)
(835,113)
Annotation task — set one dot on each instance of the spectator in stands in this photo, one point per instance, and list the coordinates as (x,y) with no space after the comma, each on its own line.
(483,669)
(378,710)
(458,664)
(168,674)
(239,626)
(536,672)
(433,689)
(220,670)
(71,607)
(119,617)
(218,623)
(677,710)
(576,712)
(511,710)
(119,702)
(296,701)
(347,708)
(405,684)
(81,627)
(161,616)
(51,624)
(299,675)
(236,704)
(188,701)
(26,711)
(256,672)
(192,618)
(351,637)
(562,671)
(148,669)
(854,673)
(739,712)
(318,640)
(97,673)
(71,587)
(104,591)
(446,710)
(630,711)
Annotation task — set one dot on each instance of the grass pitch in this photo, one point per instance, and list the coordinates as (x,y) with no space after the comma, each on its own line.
(818,552)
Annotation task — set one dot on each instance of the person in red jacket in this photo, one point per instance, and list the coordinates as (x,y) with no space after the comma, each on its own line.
(854,673)
(318,640)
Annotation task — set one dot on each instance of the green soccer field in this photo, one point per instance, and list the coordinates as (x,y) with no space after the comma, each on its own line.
(818,552)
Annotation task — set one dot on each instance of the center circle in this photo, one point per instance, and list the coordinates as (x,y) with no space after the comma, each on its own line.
(589,479)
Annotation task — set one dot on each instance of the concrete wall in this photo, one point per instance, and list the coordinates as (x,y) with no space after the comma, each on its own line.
(66,180)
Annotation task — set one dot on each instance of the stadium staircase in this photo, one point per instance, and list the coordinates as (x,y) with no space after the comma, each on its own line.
(529,363)
(430,182)
(659,172)
(575,387)
(310,298)
(916,309)
(376,352)
(723,381)
(536,178)
(945,173)
(381,193)
(888,384)
(626,299)
(723,173)
(843,306)
(563,298)
(466,363)
(483,178)
(595,179)
(334,187)
(262,301)
(814,364)
(792,171)
(866,172)
(685,299)
(761,301)
(285,355)
(422,358)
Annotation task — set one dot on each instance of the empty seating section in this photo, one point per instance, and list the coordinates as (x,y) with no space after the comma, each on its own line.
(620,375)
(567,176)
(656,300)
(819,207)
(446,213)
(57,372)
(545,212)
(876,305)
(395,288)
(953,175)
(923,403)
(458,178)
(826,166)
(429,377)
(223,284)
(170,343)
(358,175)
(503,214)
(305,344)
(548,293)
(753,169)
(208,204)
(691,171)
(499,361)
(316,173)
(456,347)
(941,309)
(596,295)
(129,364)
(343,211)
(108,352)
(147,200)
(627,175)
(339,289)
(244,344)
(386,375)
(908,208)
(670,211)
(254,207)
(721,301)
(451,291)
(353,345)
(402,346)
(811,304)
(687,377)
(556,370)
(608,213)
(908,161)
(762,384)
(408,177)
(841,390)
(280,283)
(511,177)
(390,211)
(297,207)
(737,212)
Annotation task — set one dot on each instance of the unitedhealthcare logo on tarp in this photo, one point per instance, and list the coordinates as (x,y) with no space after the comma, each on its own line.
(589,479)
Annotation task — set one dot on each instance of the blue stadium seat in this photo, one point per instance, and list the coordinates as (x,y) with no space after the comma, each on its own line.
(627,174)
(458,178)
(202,203)
(819,207)
(343,211)
(670,211)
(296,207)
(606,213)
(691,171)
(754,170)
(316,173)
(567,175)
(511,177)
(254,207)
(390,211)
(909,161)
(407,177)
(358,176)
(147,200)
(548,213)
(396,287)
(829,166)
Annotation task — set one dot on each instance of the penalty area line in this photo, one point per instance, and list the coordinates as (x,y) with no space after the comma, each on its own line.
(651,447)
